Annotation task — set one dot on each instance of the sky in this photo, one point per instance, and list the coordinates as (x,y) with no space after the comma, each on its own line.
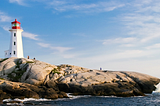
(118,35)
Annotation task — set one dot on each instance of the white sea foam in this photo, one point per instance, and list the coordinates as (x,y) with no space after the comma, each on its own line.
(157,91)
(75,97)
(42,99)
(26,99)
(20,101)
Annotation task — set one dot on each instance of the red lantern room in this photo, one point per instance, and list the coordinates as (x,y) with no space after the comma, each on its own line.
(16,24)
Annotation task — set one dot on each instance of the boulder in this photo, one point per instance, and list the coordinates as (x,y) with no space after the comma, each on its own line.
(52,84)
(25,70)
(62,95)
(7,66)
(37,72)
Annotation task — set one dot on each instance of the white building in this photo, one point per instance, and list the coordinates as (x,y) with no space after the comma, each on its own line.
(16,46)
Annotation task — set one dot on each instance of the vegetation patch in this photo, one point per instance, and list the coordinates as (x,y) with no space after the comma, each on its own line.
(58,68)
(16,74)
(2,78)
(29,62)
(68,65)
(55,70)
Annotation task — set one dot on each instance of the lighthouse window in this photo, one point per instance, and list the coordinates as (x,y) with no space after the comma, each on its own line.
(14,52)
(14,34)
(14,43)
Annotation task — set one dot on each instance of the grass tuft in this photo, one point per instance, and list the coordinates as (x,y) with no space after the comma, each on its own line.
(55,70)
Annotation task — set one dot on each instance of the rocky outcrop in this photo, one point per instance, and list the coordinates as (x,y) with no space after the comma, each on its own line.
(116,83)
(74,79)
(33,71)
(10,89)
(25,70)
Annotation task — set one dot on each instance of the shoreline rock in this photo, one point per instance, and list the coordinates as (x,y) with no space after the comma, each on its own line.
(107,83)
(33,78)
(14,90)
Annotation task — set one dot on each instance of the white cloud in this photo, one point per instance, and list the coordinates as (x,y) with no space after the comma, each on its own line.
(24,34)
(127,42)
(6,28)
(59,49)
(4,17)
(128,54)
(147,5)
(144,21)
(155,46)
(128,45)
(44,45)
(20,2)
(97,7)
(57,3)
(103,60)
(150,37)
(30,35)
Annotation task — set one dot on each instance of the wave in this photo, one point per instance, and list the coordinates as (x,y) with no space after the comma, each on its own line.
(157,91)
(77,96)
(25,99)
(21,101)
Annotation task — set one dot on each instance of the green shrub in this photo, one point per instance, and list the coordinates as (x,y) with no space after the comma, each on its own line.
(29,62)
(2,78)
(58,68)
(55,70)
(18,73)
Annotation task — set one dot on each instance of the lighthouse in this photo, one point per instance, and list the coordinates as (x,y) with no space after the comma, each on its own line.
(16,46)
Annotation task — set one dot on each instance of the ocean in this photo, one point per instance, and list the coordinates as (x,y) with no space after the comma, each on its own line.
(87,100)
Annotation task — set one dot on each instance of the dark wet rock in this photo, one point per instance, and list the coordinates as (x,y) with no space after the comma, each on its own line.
(122,89)
(52,84)
(13,90)
(51,96)
(4,95)
(62,95)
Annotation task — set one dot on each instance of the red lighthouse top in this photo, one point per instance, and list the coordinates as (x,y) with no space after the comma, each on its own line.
(16,24)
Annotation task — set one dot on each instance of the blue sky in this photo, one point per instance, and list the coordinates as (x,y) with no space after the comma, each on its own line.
(121,35)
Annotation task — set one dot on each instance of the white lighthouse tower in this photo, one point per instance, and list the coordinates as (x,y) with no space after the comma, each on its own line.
(16,46)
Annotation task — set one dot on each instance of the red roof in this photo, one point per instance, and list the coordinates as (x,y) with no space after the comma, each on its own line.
(16,22)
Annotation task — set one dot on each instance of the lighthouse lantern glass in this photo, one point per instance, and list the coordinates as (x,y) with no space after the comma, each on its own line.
(15,24)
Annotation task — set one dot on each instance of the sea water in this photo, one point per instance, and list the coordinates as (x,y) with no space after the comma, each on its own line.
(87,100)
(149,100)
